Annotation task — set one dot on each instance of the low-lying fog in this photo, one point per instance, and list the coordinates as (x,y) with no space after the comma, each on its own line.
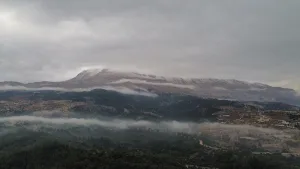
(45,121)
(119,89)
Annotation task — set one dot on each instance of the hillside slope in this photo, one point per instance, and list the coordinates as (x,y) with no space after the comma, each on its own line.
(206,88)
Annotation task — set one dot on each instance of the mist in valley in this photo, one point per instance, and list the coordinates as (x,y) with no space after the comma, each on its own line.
(75,126)
(118,89)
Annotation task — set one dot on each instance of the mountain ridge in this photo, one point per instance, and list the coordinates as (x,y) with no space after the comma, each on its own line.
(229,89)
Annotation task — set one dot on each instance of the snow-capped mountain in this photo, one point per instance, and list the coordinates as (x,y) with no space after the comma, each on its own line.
(208,88)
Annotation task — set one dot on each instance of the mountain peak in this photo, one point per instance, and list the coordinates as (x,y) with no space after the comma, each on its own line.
(95,71)
(90,73)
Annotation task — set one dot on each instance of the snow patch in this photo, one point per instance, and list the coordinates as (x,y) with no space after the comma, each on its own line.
(89,73)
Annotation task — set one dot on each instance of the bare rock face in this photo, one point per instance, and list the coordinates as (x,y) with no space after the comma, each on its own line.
(209,88)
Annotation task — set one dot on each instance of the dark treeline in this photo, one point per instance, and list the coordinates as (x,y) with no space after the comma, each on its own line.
(58,156)
(166,151)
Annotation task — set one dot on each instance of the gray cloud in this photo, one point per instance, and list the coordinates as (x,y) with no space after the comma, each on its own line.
(247,40)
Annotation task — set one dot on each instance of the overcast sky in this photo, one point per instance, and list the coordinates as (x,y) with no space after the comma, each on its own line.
(251,40)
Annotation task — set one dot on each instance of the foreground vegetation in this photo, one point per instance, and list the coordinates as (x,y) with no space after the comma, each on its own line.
(34,150)
(45,145)
(59,156)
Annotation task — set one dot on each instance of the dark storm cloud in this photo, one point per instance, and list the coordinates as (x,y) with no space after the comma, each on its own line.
(247,40)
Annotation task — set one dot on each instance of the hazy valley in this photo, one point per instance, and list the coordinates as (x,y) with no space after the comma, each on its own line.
(155,129)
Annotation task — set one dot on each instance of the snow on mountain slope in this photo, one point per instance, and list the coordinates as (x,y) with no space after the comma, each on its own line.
(108,76)
(94,73)
(209,88)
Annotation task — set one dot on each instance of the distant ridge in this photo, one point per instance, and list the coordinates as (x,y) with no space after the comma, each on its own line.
(229,89)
